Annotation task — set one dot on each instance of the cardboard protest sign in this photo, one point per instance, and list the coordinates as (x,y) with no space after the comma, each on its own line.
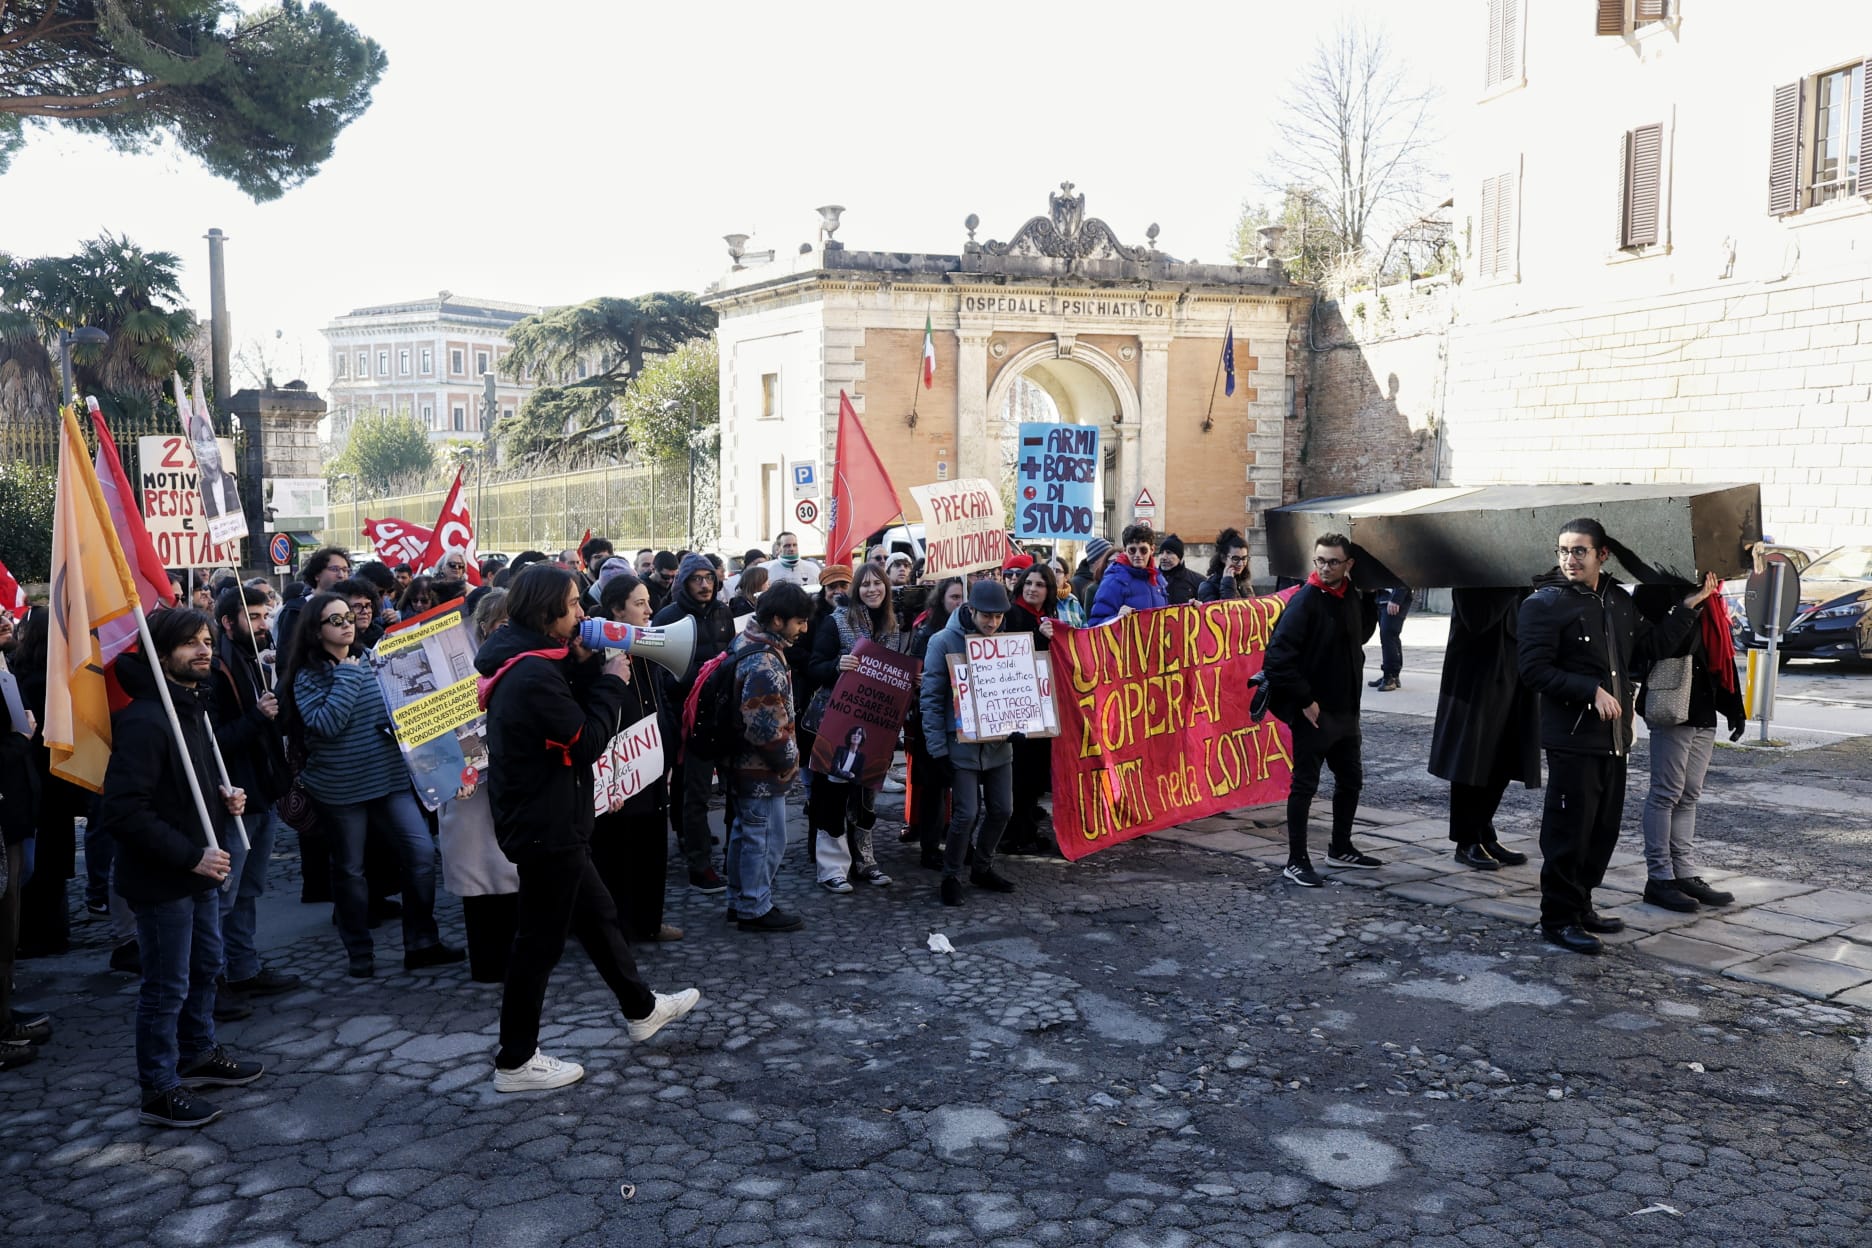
(169,493)
(997,684)
(858,733)
(425,667)
(218,490)
(964,528)
(632,763)
(1154,723)
(1056,481)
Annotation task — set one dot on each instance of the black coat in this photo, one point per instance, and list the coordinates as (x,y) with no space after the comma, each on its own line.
(548,721)
(1575,642)
(1707,698)
(1487,721)
(1182,585)
(1221,587)
(146,806)
(19,786)
(1317,653)
(714,628)
(251,744)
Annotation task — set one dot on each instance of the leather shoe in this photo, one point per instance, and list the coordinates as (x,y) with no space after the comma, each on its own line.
(1574,938)
(1695,887)
(432,955)
(1477,857)
(1671,896)
(990,879)
(1603,924)
(1502,854)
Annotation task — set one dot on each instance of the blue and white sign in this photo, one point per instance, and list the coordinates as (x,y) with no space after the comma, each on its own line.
(806,480)
(280,547)
(1056,481)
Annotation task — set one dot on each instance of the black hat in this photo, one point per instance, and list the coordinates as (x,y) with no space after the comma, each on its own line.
(988,595)
(666,561)
(1171,545)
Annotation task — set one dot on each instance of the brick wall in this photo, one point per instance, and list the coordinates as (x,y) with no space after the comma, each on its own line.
(892,364)
(1375,380)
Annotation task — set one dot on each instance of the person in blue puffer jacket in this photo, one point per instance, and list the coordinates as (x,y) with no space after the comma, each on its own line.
(1132,582)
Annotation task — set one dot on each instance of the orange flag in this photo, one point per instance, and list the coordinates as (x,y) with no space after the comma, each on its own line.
(863,497)
(91,589)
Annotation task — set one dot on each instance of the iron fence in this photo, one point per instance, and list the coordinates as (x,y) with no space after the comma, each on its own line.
(36,442)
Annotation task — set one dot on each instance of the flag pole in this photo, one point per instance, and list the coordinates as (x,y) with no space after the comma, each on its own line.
(1209,420)
(240,821)
(175,726)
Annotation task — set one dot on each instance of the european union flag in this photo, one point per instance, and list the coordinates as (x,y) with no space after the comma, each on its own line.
(1228,362)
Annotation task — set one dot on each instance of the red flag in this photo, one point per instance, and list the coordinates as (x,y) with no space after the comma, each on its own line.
(863,497)
(397,541)
(581,548)
(454,528)
(146,566)
(12,597)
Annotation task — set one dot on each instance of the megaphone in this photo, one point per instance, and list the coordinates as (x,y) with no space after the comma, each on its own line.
(669,648)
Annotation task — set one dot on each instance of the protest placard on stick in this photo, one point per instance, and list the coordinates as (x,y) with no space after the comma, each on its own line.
(998,689)
(964,527)
(1056,481)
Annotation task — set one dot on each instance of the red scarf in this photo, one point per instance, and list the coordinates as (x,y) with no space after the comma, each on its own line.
(1337,591)
(1718,644)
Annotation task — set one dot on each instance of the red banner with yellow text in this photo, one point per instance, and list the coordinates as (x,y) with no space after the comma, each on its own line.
(1154,724)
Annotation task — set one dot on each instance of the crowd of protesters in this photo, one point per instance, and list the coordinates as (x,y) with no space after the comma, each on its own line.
(281,684)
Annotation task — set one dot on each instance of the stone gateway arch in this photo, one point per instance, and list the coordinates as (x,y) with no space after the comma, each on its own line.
(1062,321)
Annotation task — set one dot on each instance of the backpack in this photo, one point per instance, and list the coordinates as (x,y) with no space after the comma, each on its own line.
(712,727)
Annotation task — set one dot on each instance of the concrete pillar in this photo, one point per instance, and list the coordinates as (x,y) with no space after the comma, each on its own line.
(1153,439)
(977,454)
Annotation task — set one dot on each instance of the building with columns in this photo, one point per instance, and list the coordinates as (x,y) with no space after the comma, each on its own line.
(1062,318)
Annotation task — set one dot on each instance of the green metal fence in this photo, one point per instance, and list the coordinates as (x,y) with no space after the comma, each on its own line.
(635,506)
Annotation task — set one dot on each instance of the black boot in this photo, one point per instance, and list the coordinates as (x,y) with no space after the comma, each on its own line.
(1477,858)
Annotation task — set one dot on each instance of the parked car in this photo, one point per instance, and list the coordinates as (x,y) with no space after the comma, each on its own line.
(1834,617)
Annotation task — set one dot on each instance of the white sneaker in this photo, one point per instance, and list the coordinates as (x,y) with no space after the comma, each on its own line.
(669,1008)
(539,1074)
(837,884)
(893,785)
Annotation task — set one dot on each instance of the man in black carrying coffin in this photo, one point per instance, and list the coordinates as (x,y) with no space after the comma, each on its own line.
(1487,732)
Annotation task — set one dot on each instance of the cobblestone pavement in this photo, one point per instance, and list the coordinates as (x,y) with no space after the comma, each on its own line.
(1161,1045)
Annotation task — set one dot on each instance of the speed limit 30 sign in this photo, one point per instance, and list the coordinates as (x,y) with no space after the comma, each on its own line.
(806,511)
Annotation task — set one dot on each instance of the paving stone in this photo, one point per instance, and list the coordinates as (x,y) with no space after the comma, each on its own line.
(1503,908)
(1809,977)
(1755,890)
(1766,920)
(1429,893)
(1838,951)
(1688,952)
(1737,936)
(1840,904)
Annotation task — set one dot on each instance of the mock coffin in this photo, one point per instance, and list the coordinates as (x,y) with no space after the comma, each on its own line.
(1502,535)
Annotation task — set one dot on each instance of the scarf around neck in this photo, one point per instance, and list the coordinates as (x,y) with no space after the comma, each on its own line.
(1337,591)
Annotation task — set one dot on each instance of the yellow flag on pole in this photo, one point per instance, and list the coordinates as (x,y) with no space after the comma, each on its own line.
(91,586)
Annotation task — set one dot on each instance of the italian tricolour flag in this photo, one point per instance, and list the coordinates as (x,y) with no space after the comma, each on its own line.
(929,354)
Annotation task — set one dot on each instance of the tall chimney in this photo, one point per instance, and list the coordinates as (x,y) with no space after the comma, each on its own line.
(218,319)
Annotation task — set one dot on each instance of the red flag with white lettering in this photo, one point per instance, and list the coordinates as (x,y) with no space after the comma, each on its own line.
(454,530)
(397,541)
(863,497)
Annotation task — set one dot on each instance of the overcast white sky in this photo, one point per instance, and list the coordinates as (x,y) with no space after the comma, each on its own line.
(555,152)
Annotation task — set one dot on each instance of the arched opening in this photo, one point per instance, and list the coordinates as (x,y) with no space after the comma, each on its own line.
(1084,388)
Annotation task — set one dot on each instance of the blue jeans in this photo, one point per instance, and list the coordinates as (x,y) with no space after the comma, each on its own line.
(996,785)
(399,818)
(180,944)
(755,848)
(239,919)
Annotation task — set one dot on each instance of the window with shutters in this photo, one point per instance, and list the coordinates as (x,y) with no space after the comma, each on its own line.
(1641,169)
(1820,139)
(1624,17)
(1495,247)
(1504,44)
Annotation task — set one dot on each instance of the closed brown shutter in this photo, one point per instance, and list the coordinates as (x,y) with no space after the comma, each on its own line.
(1784,151)
(1865,124)
(1648,11)
(1504,225)
(1611,17)
(1644,151)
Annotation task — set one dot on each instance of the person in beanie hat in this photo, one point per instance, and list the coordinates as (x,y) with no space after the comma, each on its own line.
(1180,584)
(969,769)
(1085,579)
(1013,568)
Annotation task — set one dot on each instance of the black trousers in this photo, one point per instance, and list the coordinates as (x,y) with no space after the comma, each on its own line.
(561,894)
(928,811)
(1334,743)
(490,921)
(1579,831)
(1033,776)
(631,853)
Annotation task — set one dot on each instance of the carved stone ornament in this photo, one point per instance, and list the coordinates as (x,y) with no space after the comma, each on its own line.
(997,348)
(1127,353)
(1066,233)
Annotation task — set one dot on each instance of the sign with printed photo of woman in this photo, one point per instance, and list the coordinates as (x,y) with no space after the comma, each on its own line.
(858,733)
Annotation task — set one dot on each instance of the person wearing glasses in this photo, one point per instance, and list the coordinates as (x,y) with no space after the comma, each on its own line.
(1228,569)
(1132,582)
(1578,642)
(362,597)
(1315,667)
(336,721)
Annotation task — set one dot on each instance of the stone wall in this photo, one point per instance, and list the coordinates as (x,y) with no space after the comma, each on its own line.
(1375,392)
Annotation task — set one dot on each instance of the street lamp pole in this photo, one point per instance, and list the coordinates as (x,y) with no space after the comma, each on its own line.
(692,415)
(88,336)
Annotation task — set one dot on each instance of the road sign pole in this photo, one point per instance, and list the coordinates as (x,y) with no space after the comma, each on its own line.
(1774,649)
